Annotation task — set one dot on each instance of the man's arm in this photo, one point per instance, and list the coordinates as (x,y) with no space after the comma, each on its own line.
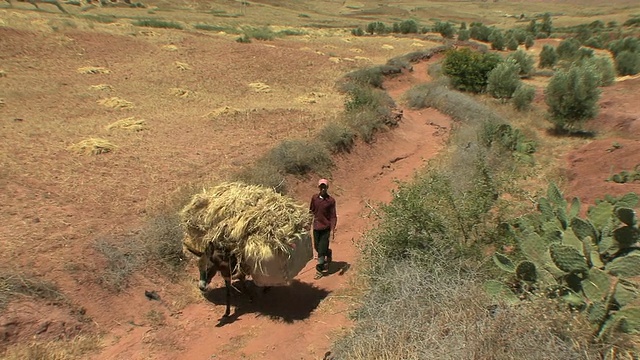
(333,217)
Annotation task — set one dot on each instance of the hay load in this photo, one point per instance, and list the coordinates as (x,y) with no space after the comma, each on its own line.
(264,229)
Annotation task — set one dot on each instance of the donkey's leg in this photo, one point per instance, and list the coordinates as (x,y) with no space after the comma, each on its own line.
(227,284)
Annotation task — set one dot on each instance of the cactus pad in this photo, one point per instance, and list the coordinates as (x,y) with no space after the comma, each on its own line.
(626,215)
(526,270)
(625,266)
(631,319)
(569,238)
(546,209)
(567,258)
(583,228)
(574,210)
(625,293)
(555,196)
(629,200)
(595,261)
(504,263)
(597,313)
(626,236)
(596,285)
(601,214)
(500,291)
(535,248)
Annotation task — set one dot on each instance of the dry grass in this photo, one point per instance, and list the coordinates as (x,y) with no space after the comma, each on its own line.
(129,124)
(101,87)
(260,87)
(14,284)
(92,146)
(182,66)
(182,93)
(116,103)
(77,348)
(93,70)
(255,220)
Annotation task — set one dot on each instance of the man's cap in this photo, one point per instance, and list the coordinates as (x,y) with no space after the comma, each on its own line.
(323,181)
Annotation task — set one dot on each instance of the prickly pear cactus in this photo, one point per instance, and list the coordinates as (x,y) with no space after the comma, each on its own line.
(504,263)
(626,215)
(625,266)
(626,236)
(500,291)
(626,292)
(567,258)
(596,284)
(526,270)
(583,228)
(630,319)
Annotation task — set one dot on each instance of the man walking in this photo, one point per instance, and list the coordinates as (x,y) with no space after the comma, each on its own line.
(323,209)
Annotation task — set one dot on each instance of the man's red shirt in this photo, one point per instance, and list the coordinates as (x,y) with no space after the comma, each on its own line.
(324,212)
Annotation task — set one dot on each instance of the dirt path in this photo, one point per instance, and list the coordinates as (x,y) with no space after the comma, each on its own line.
(301,321)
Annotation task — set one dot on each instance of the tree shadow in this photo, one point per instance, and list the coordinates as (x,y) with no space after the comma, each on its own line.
(281,303)
(577,133)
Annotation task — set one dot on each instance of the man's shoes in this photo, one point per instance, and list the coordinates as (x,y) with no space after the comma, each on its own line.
(318,275)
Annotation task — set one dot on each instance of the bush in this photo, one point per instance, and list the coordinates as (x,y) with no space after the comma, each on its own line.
(568,48)
(446,29)
(263,33)
(337,137)
(628,43)
(524,62)
(366,77)
(357,32)
(547,24)
(13,284)
(572,97)
(528,42)
(548,57)
(463,35)
(605,68)
(263,173)
(162,239)
(594,42)
(480,32)
(512,43)
(497,40)
(504,80)
(408,27)
(158,24)
(628,62)
(469,70)
(123,260)
(377,28)
(300,157)
(523,97)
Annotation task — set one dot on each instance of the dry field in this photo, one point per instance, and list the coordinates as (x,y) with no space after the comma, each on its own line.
(105,126)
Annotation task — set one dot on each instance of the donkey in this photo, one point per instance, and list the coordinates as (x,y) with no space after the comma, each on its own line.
(217,259)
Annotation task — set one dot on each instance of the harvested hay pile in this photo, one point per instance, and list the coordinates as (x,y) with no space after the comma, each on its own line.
(257,223)
(93,70)
(92,146)
(130,124)
(116,103)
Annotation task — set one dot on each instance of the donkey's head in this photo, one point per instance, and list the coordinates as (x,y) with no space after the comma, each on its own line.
(208,265)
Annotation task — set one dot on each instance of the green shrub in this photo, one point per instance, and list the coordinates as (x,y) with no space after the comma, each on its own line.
(408,27)
(523,97)
(446,29)
(357,32)
(628,62)
(263,33)
(547,24)
(155,23)
(572,97)
(480,32)
(503,80)
(367,122)
(300,157)
(377,27)
(244,39)
(605,67)
(366,77)
(469,70)
(263,173)
(463,35)
(528,42)
(532,28)
(512,43)
(634,21)
(105,19)
(568,48)
(524,61)
(337,137)
(594,42)
(497,40)
(628,43)
(548,57)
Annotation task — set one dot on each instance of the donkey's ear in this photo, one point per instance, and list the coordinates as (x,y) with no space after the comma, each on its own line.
(194,252)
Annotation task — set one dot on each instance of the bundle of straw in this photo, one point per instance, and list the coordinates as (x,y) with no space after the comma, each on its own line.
(256,222)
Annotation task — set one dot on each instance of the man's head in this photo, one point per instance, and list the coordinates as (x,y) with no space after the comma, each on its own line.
(323,185)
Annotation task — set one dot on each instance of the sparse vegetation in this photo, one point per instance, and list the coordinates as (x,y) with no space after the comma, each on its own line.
(13,284)
(156,23)
(299,157)
(523,97)
(339,138)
